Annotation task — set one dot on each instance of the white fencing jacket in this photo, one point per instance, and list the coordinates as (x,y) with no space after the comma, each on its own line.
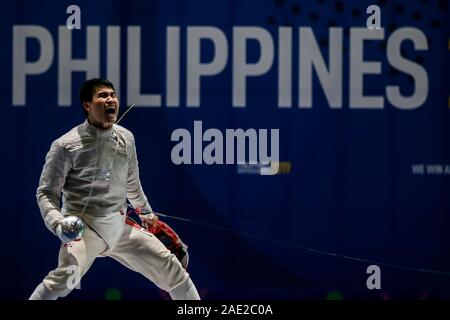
(96,171)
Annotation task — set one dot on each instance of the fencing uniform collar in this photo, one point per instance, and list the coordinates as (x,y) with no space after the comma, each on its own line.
(97,131)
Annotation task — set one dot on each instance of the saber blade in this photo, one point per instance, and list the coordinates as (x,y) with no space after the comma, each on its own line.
(131,107)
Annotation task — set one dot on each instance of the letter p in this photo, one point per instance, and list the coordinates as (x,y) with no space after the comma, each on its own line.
(21,67)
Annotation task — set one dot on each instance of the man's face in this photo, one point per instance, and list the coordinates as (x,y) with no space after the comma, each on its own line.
(103,108)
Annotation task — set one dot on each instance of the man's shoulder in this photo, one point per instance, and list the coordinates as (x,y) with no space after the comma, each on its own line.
(70,137)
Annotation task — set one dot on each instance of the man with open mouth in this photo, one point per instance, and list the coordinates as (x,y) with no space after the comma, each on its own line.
(95,167)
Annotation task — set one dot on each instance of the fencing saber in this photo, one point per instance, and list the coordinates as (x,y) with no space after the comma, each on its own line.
(126,111)
(303,248)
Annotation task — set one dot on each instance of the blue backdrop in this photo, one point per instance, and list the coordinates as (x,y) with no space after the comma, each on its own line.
(361,184)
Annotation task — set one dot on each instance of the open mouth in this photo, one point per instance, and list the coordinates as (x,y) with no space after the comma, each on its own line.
(110,110)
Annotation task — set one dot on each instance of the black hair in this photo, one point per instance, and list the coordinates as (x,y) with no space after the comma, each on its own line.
(88,89)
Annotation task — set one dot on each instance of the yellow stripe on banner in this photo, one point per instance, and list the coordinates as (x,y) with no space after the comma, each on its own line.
(284,167)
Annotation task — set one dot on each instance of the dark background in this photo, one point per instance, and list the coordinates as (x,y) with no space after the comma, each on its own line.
(349,201)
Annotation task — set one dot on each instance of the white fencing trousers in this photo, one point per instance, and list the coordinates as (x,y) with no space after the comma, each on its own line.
(137,249)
